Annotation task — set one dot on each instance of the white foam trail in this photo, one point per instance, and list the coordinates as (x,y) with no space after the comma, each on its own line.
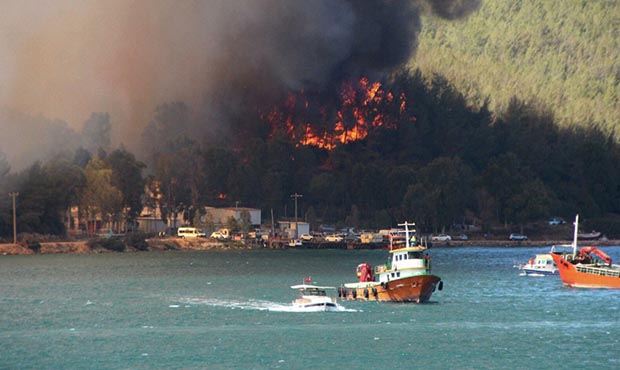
(252,304)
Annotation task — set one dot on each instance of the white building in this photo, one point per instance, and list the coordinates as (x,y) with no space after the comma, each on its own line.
(221,215)
(288,228)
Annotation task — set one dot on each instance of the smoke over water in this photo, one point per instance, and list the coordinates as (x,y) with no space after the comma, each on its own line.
(64,59)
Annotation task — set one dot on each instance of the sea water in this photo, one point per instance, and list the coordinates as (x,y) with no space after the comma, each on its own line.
(221,310)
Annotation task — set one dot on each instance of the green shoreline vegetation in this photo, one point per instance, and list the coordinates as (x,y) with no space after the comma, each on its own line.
(561,53)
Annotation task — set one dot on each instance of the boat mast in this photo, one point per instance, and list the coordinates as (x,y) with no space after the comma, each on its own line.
(575,236)
(406,225)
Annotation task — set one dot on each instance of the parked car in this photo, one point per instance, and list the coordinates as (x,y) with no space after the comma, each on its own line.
(461,237)
(294,243)
(334,238)
(306,237)
(352,238)
(517,237)
(441,238)
(221,234)
(556,221)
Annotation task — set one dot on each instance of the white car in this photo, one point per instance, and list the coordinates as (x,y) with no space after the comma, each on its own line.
(517,237)
(219,235)
(335,238)
(294,243)
(556,221)
(306,237)
(441,238)
(461,237)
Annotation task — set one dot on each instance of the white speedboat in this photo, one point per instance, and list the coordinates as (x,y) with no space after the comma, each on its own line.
(314,298)
(540,265)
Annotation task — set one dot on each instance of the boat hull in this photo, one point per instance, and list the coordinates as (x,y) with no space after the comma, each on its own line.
(317,307)
(416,289)
(538,272)
(572,277)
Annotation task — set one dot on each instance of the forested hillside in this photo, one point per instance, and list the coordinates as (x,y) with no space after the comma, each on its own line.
(543,78)
(440,162)
(563,53)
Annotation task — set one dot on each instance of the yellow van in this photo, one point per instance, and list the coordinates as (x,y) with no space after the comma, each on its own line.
(190,232)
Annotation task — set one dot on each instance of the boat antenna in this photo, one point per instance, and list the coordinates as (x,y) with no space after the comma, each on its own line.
(575,235)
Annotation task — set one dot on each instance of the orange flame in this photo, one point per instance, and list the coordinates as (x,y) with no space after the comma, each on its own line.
(362,107)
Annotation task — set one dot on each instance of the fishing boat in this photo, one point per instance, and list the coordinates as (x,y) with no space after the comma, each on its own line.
(589,267)
(589,236)
(313,298)
(405,278)
(539,265)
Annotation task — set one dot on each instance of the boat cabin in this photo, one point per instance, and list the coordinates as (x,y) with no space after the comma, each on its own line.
(312,290)
(542,260)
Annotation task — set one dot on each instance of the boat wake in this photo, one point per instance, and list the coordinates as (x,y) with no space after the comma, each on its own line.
(252,304)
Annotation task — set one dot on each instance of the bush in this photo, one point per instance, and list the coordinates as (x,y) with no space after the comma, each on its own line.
(137,240)
(34,246)
(113,244)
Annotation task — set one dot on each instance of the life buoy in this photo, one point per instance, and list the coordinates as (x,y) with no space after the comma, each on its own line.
(366,293)
(440,287)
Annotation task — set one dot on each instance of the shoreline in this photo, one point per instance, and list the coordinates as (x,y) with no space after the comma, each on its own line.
(178,244)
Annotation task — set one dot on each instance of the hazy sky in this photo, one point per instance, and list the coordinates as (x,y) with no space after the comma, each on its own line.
(65,59)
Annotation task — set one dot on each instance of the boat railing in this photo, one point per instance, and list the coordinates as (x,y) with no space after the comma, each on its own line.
(598,271)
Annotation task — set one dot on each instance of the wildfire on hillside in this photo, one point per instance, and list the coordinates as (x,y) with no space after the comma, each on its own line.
(360,107)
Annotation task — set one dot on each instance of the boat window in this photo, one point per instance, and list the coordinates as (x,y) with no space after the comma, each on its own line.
(414,255)
(398,274)
(313,292)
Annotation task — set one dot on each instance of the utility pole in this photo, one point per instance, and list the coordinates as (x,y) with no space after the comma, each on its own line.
(14,195)
(273,227)
(295,196)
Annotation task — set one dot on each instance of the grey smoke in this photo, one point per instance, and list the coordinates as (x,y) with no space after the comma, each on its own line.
(66,59)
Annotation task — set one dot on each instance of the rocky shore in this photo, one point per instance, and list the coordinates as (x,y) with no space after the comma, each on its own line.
(156,244)
(179,244)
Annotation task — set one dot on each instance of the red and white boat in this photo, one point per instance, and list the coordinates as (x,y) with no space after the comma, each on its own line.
(405,278)
(589,267)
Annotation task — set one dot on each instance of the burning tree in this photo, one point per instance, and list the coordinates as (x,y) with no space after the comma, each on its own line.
(322,121)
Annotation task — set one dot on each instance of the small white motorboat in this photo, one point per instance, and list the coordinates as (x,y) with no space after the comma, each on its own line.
(314,298)
(540,265)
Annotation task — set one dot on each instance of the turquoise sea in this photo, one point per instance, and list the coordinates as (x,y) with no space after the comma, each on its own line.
(221,310)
